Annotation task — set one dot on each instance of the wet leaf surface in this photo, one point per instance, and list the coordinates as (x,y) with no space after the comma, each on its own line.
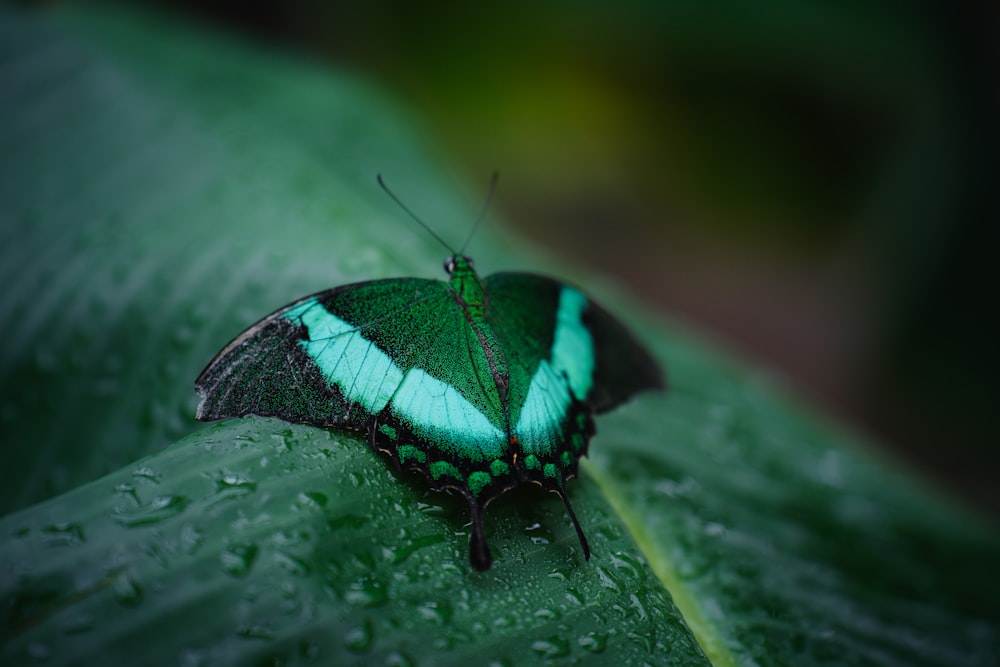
(163,187)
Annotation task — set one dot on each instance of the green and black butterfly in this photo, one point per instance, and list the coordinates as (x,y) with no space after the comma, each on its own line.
(479,384)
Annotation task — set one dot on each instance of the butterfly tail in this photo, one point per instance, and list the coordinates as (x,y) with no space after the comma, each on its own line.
(479,550)
(576,524)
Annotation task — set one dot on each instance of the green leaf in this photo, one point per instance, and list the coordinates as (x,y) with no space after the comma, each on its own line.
(257,542)
(163,187)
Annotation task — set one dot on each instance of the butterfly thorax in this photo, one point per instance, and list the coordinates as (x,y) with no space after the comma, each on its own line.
(467,285)
(471,295)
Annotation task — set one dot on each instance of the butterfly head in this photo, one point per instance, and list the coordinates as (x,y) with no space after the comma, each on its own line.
(460,264)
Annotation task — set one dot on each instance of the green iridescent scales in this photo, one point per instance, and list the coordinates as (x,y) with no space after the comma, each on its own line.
(480,385)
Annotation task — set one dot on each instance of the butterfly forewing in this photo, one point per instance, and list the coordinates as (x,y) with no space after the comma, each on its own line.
(266,371)
(397,351)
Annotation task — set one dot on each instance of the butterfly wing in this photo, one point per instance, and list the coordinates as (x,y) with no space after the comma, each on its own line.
(568,357)
(396,358)
(285,365)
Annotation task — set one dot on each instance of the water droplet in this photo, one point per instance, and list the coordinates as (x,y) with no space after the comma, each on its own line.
(539,534)
(639,607)
(713,529)
(439,612)
(237,559)
(431,509)
(190,539)
(396,659)
(311,499)
(573,596)
(607,580)
(292,564)
(645,641)
(160,508)
(547,614)
(611,532)
(366,593)
(625,565)
(675,489)
(451,640)
(62,534)
(359,639)
(230,485)
(323,453)
(595,642)
(504,622)
(148,474)
(553,647)
(291,538)
(285,440)
(127,589)
(127,490)
(402,551)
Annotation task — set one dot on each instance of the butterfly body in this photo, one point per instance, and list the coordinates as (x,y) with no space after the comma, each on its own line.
(479,384)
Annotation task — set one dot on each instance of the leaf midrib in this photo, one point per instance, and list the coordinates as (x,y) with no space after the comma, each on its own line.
(684,598)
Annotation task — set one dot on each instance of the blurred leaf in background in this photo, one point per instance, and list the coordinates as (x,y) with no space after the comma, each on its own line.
(161,187)
(812,181)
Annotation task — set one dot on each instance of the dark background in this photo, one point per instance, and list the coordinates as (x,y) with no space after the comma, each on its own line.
(813,183)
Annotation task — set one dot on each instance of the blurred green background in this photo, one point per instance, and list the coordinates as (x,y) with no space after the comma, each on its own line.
(810,182)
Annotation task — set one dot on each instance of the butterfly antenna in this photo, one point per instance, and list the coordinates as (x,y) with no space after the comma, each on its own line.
(482,214)
(412,214)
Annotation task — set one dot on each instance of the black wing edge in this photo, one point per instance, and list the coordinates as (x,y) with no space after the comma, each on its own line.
(623,366)
(215,372)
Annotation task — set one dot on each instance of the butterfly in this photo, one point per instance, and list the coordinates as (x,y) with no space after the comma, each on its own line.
(480,384)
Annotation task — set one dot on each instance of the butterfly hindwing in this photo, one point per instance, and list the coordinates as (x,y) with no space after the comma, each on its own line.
(571,358)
